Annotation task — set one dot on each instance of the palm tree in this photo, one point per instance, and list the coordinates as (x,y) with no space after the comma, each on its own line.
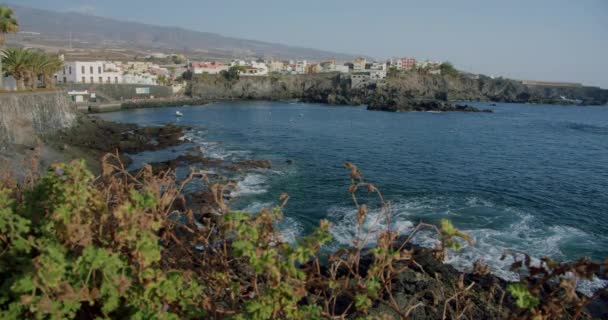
(53,65)
(34,62)
(17,61)
(28,66)
(8,24)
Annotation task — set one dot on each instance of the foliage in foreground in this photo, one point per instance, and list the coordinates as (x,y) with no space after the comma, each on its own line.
(77,246)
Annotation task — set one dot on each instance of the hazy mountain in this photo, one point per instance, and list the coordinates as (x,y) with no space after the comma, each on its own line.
(93,31)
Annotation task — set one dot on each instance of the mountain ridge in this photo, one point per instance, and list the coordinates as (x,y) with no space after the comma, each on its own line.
(90,30)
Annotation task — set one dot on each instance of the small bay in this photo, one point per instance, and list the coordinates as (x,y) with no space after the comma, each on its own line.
(526,177)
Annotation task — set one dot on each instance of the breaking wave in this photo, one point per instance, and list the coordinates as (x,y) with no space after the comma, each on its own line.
(496,230)
(253,183)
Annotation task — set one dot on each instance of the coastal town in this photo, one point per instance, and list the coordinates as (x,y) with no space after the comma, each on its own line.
(361,71)
(100,85)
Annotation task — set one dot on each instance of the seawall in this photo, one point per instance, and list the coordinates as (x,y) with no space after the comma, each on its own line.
(24,117)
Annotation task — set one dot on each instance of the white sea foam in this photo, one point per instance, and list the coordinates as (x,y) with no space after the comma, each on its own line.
(520,232)
(290,229)
(253,183)
(255,207)
(344,224)
(213,149)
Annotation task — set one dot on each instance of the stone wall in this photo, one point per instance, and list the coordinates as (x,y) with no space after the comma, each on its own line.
(26,116)
(119,92)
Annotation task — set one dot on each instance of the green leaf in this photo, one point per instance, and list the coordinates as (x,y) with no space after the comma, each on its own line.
(523,297)
(362,302)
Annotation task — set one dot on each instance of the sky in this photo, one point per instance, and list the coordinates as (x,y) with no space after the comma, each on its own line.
(558,40)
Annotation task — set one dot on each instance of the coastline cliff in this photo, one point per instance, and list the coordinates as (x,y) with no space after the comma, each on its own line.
(400,93)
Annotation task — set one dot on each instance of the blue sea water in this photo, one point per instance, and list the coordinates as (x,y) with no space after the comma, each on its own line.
(526,177)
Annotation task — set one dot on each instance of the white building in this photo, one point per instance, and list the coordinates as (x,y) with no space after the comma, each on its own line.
(251,68)
(276,66)
(300,66)
(342,68)
(377,70)
(359,64)
(88,72)
(429,64)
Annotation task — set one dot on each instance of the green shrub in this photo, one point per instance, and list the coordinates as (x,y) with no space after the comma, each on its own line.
(77,246)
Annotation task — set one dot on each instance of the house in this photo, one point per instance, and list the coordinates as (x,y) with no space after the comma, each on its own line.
(430,64)
(89,72)
(332,66)
(376,74)
(276,66)
(250,68)
(313,68)
(377,70)
(327,66)
(207,67)
(359,64)
(300,66)
(342,68)
(406,63)
(137,66)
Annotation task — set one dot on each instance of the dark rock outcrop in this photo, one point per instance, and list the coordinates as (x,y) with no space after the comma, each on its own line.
(394,93)
(405,105)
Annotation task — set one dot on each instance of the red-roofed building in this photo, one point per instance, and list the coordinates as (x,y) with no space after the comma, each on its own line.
(207,67)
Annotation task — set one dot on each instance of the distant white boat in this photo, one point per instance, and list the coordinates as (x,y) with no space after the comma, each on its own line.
(178,114)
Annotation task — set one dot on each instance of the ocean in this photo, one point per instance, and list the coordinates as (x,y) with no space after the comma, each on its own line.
(526,177)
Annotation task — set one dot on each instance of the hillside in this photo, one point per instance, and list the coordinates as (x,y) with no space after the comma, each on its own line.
(97,32)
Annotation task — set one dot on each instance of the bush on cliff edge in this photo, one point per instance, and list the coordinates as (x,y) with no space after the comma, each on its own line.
(77,246)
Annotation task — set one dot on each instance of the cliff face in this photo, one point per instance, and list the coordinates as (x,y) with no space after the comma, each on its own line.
(311,88)
(26,116)
(395,95)
(413,85)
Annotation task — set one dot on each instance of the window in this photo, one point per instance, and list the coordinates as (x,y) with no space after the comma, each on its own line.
(65,80)
(115,79)
(109,80)
(70,69)
(100,80)
(63,70)
(84,80)
(91,69)
(99,70)
(83,71)
(92,80)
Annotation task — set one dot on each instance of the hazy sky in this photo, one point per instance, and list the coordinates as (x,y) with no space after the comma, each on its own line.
(534,39)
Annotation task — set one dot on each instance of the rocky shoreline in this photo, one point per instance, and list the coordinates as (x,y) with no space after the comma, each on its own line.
(408,105)
(401,93)
(95,137)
